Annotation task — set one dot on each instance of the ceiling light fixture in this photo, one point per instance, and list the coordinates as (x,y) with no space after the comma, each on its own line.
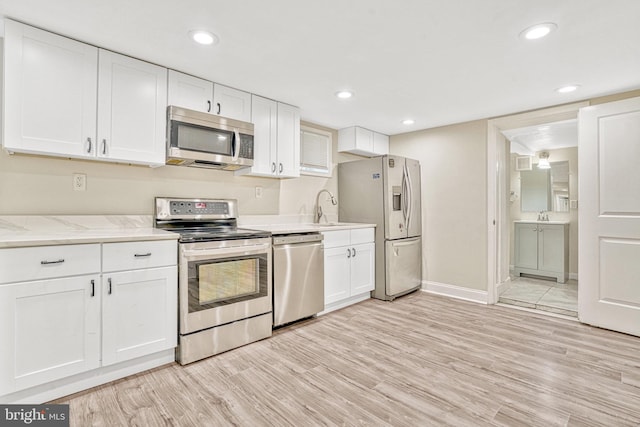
(538,31)
(344,94)
(567,88)
(543,163)
(204,37)
(408,122)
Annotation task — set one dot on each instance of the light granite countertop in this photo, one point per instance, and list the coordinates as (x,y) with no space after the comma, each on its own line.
(306,227)
(533,221)
(32,230)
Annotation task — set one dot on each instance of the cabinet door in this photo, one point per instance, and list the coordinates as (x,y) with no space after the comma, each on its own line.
(380,144)
(288,141)
(190,92)
(551,247)
(50,93)
(264,115)
(336,274)
(231,103)
(50,329)
(362,268)
(132,102)
(139,313)
(526,246)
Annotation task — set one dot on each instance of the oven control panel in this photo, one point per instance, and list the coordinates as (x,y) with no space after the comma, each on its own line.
(177,208)
(198,208)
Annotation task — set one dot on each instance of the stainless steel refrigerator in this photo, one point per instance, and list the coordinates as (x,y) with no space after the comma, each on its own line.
(386,191)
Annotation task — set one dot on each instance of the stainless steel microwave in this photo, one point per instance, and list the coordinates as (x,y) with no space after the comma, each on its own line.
(206,140)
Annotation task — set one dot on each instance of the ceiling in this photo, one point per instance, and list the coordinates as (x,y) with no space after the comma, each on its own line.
(550,136)
(437,62)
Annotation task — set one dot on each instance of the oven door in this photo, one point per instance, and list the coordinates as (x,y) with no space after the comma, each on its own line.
(219,285)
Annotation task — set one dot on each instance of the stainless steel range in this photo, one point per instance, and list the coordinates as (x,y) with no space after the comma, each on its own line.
(224,283)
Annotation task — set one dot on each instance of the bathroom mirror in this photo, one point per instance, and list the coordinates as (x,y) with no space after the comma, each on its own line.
(545,189)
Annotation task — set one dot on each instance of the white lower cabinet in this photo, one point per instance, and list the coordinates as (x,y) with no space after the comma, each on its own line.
(349,266)
(79,318)
(542,249)
(49,329)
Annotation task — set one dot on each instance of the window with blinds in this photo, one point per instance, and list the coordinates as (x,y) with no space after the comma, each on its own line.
(315,151)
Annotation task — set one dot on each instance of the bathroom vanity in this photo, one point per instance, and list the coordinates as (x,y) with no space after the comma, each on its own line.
(542,249)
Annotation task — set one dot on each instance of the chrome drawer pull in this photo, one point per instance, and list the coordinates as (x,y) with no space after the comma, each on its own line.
(60,261)
(142,255)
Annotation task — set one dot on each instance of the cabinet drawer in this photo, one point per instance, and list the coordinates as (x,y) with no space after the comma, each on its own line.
(362,235)
(45,262)
(133,255)
(333,239)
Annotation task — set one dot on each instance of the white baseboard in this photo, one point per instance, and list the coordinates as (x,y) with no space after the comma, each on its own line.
(454,291)
(573,276)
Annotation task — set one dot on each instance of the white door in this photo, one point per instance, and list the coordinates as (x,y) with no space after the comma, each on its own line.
(190,92)
(609,216)
(139,313)
(50,93)
(336,274)
(288,141)
(231,103)
(362,268)
(132,102)
(49,329)
(264,115)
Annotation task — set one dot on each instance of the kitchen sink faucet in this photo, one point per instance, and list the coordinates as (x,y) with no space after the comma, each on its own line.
(319,213)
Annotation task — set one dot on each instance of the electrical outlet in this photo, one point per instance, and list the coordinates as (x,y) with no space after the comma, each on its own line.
(79,182)
(258,192)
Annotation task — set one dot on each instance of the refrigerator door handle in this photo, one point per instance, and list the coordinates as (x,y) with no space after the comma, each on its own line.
(408,189)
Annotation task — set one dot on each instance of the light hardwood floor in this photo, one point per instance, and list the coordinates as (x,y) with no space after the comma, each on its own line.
(421,360)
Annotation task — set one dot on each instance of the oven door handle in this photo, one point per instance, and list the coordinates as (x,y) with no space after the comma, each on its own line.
(223,252)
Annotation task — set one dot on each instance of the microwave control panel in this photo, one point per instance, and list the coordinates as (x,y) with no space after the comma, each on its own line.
(246,146)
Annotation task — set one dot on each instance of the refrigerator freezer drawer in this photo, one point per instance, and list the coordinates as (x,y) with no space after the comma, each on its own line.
(404,265)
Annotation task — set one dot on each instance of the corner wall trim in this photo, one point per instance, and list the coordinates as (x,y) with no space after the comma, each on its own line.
(454,291)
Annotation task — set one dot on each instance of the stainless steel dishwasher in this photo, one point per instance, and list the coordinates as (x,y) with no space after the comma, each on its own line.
(298,277)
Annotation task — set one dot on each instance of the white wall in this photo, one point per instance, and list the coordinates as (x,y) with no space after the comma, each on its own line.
(454,201)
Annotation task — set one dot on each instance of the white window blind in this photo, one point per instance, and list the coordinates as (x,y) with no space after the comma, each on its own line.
(315,151)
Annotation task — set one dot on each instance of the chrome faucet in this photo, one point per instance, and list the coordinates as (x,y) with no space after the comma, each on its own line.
(319,213)
(543,216)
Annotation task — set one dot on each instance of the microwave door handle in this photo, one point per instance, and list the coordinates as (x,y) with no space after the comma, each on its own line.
(235,145)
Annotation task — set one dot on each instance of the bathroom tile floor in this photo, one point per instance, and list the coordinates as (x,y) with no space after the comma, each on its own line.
(540,294)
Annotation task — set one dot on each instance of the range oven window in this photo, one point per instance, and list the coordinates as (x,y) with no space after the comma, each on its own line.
(214,283)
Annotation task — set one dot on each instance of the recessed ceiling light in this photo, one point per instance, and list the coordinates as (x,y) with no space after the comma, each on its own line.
(203,37)
(408,122)
(344,94)
(538,31)
(567,88)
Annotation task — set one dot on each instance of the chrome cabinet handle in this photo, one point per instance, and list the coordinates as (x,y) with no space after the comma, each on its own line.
(354,252)
(142,255)
(281,168)
(90,145)
(273,167)
(104,146)
(219,107)
(60,261)
(109,282)
(93,288)
(534,229)
(208,106)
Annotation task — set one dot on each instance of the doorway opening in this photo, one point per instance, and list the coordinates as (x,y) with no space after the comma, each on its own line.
(534,242)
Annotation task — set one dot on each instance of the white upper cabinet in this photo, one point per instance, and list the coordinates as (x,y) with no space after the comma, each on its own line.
(132,99)
(361,141)
(190,92)
(276,140)
(50,85)
(231,103)
(70,99)
(288,141)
